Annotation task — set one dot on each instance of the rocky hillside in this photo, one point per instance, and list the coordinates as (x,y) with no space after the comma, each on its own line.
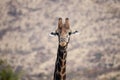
(94,54)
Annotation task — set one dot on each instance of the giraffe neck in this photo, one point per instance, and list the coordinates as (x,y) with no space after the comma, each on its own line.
(60,65)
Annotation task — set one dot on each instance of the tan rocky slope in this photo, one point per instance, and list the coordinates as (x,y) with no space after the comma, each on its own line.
(94,54)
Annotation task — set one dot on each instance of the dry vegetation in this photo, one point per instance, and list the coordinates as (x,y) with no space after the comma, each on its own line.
(94,54)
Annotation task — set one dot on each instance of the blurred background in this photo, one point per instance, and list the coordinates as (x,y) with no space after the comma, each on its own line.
(94,54)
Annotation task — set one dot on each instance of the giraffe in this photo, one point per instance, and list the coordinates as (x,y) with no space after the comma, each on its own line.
(63,32)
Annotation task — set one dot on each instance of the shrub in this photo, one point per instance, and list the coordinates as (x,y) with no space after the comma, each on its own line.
(7,73)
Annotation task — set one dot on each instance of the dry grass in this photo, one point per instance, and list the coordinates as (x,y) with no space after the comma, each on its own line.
(24,39)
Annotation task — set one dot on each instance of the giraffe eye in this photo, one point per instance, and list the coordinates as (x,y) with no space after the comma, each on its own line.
(69,33)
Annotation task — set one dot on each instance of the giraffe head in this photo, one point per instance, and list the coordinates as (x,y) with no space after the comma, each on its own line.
(63,32)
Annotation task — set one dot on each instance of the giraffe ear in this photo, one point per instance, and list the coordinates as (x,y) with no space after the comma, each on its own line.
(67,25)
(59,23)
(75,32)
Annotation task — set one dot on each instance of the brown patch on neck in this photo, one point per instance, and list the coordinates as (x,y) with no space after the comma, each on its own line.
(60,69)
(63,65)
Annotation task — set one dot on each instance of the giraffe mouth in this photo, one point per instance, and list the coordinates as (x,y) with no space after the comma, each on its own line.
(63,43)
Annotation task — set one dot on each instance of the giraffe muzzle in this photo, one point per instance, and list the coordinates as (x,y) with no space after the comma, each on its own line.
(63,43)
